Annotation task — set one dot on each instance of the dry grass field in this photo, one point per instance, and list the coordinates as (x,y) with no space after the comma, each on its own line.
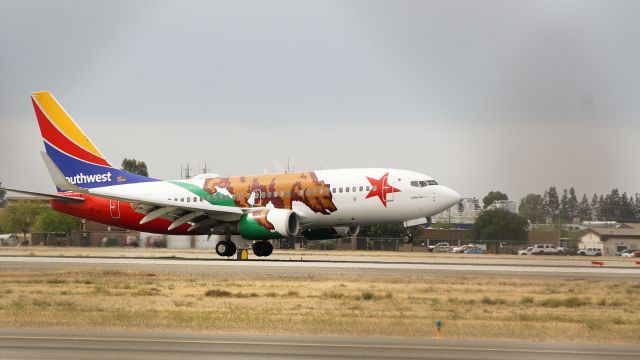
(596,311)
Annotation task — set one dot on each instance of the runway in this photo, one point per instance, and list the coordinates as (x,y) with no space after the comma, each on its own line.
(297,268)
(57,344)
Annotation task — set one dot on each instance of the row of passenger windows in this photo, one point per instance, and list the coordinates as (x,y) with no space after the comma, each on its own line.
(423,183)
(275,194)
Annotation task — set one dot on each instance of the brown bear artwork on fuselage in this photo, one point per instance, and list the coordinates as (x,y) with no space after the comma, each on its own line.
(283,189)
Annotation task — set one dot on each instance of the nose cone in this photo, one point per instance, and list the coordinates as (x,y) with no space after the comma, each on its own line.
(449,197)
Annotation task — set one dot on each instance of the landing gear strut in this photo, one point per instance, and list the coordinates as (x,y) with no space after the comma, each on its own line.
(407,238)
(262,248)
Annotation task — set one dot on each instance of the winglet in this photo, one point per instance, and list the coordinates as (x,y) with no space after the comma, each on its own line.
(57,176)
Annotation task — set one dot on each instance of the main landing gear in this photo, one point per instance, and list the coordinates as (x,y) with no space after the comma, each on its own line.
(225,248)
(262,248)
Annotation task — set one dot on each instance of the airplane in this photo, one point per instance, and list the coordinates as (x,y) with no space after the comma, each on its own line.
(320,204)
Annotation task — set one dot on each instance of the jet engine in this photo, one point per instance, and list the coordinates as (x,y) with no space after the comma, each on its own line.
(268,224)
(332,232)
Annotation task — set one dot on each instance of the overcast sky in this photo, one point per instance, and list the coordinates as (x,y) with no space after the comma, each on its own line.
(514,96)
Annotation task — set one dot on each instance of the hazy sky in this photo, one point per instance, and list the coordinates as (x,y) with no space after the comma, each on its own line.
(481,95)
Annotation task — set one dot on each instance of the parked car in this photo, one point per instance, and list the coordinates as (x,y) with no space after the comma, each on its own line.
(624,253)
(569,250)
(474,250)
(461,249)
(441,247)
(546,249)
(8,240)
(632,253)
(527,251)
(590,252)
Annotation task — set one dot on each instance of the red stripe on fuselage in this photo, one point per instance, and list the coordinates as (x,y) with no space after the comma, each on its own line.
(97,209)
(56,138)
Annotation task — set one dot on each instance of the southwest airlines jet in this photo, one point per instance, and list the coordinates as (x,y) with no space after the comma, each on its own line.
(317,204)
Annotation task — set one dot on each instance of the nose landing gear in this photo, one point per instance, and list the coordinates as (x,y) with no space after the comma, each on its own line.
(407,238)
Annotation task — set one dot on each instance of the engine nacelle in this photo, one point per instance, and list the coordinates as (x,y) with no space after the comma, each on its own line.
(332,232)
(269,224)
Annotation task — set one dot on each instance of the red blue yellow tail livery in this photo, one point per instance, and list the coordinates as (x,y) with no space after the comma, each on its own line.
(79,160)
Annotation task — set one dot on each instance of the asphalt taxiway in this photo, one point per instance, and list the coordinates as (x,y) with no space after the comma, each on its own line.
(59,344)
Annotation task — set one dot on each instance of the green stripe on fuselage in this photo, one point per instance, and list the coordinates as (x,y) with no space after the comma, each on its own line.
(215,199)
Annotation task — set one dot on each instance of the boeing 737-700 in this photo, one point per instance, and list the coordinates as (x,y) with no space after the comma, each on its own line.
(317,204)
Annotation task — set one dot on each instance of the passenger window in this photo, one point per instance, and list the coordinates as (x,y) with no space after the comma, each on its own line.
(281,194)
(188,199)
(360,188)
(368,188)
(182,199)
(346,189)
(333,190)
(269,195)
(340,190)
(195,199)
(175,199)
(262,195)
(353,189)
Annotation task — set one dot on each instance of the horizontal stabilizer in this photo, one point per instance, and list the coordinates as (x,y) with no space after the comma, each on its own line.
(50,196)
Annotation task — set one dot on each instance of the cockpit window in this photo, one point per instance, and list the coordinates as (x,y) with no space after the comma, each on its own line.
(423,183)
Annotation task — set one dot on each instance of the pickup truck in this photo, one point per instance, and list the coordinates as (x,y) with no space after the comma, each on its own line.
(590,252)
(546,249)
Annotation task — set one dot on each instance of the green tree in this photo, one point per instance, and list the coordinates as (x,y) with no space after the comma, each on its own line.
(595,208)
(584,209)
(532,208)
(53,221)
(499,225)
(135,166)
(21,216)
(552,203)
(572,204)
(3,192)
(493,196)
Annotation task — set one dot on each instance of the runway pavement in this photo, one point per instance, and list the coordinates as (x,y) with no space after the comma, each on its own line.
(57,344)
(298,268)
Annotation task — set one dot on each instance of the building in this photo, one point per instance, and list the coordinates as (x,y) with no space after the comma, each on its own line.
(611,240)
(461,216)
(509,205)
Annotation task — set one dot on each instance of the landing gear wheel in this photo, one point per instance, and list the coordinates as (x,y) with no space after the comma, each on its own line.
(407,238)
(225,248)
(262,248)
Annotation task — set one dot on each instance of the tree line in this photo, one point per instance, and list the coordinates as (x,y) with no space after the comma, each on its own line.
(538,208)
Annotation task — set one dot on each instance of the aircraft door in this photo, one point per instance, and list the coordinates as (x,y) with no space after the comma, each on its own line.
(256,195)
(388,184)
(114,209)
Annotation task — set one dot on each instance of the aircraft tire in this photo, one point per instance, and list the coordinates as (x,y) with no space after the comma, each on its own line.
(268,248)
(407,238)
(225,248)
(258,248)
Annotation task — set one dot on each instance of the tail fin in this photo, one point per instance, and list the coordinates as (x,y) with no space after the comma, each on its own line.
(71,151)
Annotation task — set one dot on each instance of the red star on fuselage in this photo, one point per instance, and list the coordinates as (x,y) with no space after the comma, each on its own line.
(381,188)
